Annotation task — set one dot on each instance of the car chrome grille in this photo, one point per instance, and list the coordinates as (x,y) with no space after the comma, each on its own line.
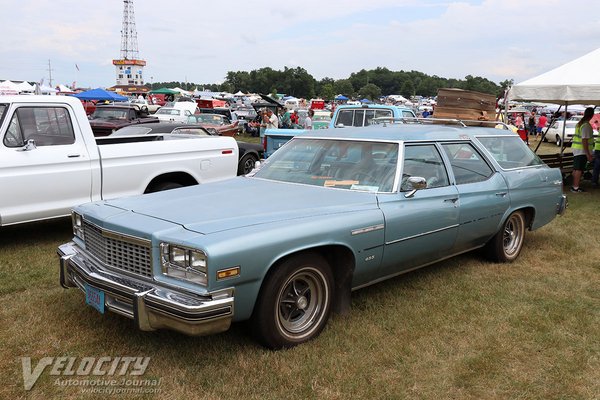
(118,253)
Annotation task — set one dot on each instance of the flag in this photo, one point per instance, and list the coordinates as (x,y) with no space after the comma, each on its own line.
(77,67)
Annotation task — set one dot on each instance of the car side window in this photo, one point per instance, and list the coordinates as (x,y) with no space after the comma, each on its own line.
(345,118)
(467,164)
(47,126)
(423,161)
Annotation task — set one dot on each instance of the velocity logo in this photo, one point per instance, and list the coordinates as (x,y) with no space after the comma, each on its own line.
(86,366)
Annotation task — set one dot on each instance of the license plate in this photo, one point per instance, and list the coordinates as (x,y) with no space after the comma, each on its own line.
(95,298)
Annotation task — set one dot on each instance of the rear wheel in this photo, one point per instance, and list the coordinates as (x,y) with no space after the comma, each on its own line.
(506,245)
(294,302)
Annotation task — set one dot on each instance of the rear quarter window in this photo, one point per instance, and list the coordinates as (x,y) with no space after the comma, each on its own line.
(510,152)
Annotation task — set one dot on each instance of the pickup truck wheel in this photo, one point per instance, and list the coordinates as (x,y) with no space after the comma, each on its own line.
(246,164)
(506,245)
(159,187)
(294,303)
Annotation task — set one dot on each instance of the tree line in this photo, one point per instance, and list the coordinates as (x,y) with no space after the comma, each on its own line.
(371,84)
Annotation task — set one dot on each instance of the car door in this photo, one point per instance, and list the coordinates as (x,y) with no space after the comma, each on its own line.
(421,226)
(48,176)
(483,193)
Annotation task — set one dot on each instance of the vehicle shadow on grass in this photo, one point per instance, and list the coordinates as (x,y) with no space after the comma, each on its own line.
(36,233)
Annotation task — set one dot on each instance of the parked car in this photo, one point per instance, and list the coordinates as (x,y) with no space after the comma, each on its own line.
(173,114)
(321,119)
(107,118)
(554,133)
(51,161)
(328,213)
(249,153)
(144,106)
(343,116)
(215,123)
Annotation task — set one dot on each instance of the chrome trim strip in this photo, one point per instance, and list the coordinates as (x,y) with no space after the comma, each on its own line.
(124,238)
(383,278)
(422,234)
(367,229)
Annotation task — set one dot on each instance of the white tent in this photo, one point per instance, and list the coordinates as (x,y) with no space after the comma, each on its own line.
(576,82)
(63,89)
(43,89)
(25,87)
(9,88)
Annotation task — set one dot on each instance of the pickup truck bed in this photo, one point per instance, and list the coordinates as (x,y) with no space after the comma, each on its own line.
(50,160)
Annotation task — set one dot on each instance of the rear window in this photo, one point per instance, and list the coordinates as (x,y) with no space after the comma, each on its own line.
(510,151)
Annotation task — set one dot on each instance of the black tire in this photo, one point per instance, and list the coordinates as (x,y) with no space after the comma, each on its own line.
(246,164)
(159,187)
(558,140)
(294,302)
(506,245)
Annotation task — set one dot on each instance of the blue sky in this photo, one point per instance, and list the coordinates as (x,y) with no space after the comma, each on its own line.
(197,41)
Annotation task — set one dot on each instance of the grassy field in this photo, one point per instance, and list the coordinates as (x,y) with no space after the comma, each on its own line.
(461,329)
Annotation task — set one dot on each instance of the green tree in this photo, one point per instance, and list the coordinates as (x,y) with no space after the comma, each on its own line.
(370,91)
(344,86)
(327,92)
(408,89)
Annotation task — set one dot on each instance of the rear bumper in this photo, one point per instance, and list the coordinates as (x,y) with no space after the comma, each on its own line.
(150,305)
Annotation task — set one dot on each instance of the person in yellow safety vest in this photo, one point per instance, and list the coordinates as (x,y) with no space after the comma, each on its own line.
(596,172)
(582,147)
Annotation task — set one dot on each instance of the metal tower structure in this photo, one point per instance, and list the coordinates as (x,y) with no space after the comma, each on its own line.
(129,44)
(129,68)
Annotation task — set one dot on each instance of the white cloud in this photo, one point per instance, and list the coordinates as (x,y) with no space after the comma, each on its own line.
(202,41)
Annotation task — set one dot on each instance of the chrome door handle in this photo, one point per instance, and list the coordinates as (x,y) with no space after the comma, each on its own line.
(501,194)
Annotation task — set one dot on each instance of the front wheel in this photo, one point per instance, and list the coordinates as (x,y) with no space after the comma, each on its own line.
(246,164)
(294,302)
(506,245)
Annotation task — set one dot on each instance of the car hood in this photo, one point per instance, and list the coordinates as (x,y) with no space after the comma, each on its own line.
(242,202)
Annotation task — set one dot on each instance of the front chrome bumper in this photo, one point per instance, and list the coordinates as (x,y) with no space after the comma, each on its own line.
(150,305)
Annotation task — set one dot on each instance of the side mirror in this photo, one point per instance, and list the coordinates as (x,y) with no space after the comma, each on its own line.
(415,183)
(29,145)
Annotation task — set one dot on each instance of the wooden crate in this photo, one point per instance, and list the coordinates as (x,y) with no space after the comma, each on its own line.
(465,105)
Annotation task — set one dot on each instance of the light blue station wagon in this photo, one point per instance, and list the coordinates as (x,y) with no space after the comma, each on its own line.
(326,214)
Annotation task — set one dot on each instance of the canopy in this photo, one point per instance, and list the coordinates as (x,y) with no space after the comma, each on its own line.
(164,91)
(576,82)
(100,94)
(365,101)
(9,88)
(25,87)
(341,97)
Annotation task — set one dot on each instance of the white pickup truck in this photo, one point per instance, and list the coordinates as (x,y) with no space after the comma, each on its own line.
(50,160)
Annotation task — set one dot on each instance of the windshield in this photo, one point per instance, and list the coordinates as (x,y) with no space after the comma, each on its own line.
(168,111)
(110,113)
(132,130)
(343,164)
(209,119)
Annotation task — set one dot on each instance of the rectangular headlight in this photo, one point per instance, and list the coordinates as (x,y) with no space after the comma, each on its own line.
(184,263)
(77,221)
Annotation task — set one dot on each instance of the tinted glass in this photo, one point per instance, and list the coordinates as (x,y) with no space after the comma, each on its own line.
(47,126)
(342,164)
(467,164)
(424,161)
(510,151)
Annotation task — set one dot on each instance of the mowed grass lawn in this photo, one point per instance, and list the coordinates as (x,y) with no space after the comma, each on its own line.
(461,329)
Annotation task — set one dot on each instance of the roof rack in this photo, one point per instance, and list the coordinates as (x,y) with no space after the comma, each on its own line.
(444,121)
